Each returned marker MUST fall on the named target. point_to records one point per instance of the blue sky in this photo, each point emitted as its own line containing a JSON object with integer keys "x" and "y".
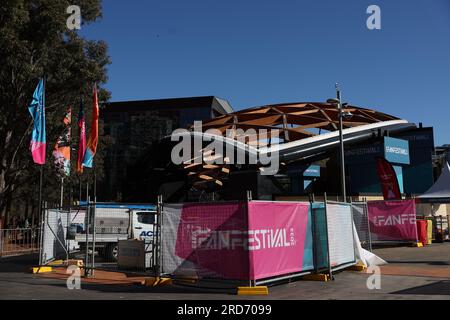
{"x": 260, "y": 52}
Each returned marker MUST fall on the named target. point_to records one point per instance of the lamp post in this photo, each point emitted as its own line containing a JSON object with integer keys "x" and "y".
{"x": 341, "y": 115}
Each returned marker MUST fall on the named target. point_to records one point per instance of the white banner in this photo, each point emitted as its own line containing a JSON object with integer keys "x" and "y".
{"x": 340, "y": 234}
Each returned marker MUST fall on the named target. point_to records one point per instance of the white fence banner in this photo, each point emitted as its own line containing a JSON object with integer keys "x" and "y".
{"x": 54, "y": 243}
{"x": 340, "y": 235}
{"x": 170, "y": 262}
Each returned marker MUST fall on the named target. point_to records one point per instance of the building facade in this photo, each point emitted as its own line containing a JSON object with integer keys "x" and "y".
{"x": 132, "y": 129}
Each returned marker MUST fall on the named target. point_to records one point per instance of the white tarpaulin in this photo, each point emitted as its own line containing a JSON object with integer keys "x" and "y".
{"x": 367, "y": 258}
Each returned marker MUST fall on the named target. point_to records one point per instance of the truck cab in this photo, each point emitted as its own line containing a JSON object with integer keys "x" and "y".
{"x": 114, "y": 222}
{"x": 143, "y": 225}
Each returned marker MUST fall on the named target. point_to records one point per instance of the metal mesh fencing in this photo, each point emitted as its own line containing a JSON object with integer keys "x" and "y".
{"x": 320, "y": 236}
{"x": 362, "y": 224}
{"x": 393, "y": 221}
{"x": 18, "y": 241}
{"x": 54, "y": 242}
{"x": 205, "y": 241}
{"x": 118, "y": 238}
{"x": 340, "y": 235}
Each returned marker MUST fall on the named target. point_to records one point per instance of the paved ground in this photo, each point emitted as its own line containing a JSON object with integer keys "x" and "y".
{"x": 413, "y": 273}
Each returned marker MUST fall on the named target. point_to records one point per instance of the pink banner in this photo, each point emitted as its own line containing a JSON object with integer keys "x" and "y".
{"x": 280, "y": 238}
{"x": 244, "y": 242}
{"x": 393, "y": 220}
{"x": 213, "y": 237}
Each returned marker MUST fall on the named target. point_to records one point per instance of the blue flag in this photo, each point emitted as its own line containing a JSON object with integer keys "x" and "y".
{"x": 37, "y": 111}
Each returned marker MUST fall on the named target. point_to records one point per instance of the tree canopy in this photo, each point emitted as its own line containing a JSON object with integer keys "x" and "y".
{"x": 35, "y": 42}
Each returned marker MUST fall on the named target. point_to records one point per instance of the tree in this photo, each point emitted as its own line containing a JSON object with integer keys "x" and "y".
{"x": 35, "y": 41}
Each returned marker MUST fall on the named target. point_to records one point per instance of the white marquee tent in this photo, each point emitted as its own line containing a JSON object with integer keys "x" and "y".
{"x": 440, "y": 191}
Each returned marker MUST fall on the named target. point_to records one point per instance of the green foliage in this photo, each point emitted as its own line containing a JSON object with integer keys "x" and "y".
{"x": 35, "y": 41}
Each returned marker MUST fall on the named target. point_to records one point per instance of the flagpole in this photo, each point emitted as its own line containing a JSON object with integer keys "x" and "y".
{"x": 61, "y": 201}
{"x": 41, "y": 220}
{"x": 79, "y": 187}
{"x": 95, "y": 184}
{"x": 41, "y": 176}
{"x": 69, "y": 218}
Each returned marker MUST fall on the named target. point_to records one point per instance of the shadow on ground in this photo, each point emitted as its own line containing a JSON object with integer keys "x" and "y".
{"x": 173, "y": 289}
{"x": 432, "y": 263}
{"x": 18, "y": 263}
{"x": 436, "y": 288}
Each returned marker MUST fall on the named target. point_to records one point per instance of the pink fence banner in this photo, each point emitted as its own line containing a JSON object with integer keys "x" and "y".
{"x": 393, "y": 220}
{"x": 212, "y": 240}
{"x": 280, "y": 238}
{"x": 240, "y": 240}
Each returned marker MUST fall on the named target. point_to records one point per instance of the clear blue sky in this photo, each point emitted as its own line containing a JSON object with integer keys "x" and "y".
{"x": 260, "y": 52}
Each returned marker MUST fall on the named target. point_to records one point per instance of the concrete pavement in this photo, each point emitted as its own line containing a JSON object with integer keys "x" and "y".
{"x": 413, "y": 273}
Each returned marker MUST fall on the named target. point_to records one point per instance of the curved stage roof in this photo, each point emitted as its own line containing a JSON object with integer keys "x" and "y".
{"x": 305, "y": 129}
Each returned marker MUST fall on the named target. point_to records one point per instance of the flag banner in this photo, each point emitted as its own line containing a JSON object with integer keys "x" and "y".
{"x": 81, "y": 138}
{"x": 388, "y": 180}
{"x": 393, "y": 220}
{"x": 88, "y": 159}
{"x": 37, "y": 111}
{"x": 61, "y": 152}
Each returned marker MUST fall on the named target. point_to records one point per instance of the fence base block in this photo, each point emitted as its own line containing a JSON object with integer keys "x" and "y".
{"x": 41, "y": 270}
{"x": 56, "y": 263}
{"x": 317, "y": 277}
{"x": 417, "y": 245}
{"x": 78, "y": 263}
{"x": 156, "y": 282}
{"x": 253, "y": 291}
{"x": 357, "y": 267}
{"x": 186, "y": 280}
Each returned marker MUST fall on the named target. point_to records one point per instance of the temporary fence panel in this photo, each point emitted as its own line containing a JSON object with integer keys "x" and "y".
{"x": 259, "y": 241}
{"x": 362, "y": 225}
{"x": 207, "y": 240}
{"x": 320, "y": 235}
{"x": 77, "y": 219}
{"x": 340, "y": 235}
{"x": 18, "y": 241}
{"x": 54, "y": 244}
{"x": 279, "y": 238}
{"x": 393, "y": 220}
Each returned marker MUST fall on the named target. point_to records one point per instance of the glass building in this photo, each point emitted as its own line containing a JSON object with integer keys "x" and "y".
{"x": 133, "y": 128}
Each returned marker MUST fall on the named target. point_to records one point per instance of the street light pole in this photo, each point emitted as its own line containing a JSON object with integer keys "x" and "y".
{"x": 341, "y": 140}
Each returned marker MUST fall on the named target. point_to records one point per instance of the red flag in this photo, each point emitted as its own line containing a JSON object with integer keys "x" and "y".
{"x": 88, "y": 160}
{"x": 388, "y": 180}
{"x": 81, "y": 138}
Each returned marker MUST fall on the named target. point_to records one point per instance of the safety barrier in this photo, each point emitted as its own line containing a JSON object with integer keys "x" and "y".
{"x": 250, "y": 242}
{"x": 55, "y": 243}
{"x": 103, "y": 237}
{"x": 393, "y": 221}
{"x": 362, "y": 224}
{"x": 255, "y": 241}
{"x": 19, "y": 241}
{"x": 340, "y": 235}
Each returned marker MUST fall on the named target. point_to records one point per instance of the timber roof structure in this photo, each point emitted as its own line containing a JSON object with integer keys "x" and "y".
{"x": 296, "y": 121}
{"x": 302, "y": 130}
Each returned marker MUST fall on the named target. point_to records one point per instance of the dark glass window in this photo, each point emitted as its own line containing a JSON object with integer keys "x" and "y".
{"x": 146, "y": 217}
